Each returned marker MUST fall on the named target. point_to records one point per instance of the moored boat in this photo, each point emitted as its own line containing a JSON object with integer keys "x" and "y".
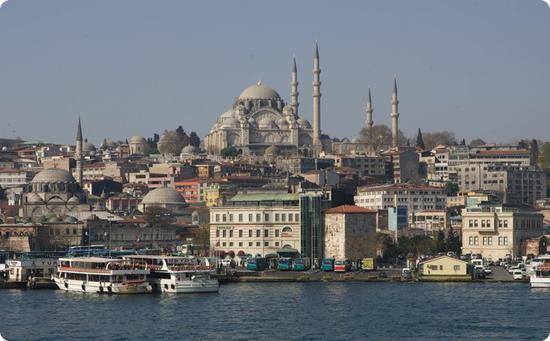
{"x": 173, "y": 274}
{"x": 102, "y": 275}
{"x": 539, "y": 274}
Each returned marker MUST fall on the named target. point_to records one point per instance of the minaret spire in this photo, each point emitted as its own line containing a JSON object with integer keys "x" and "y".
{"x": 78, "y": 154}
{"x": 316, "y": 103}
{"x": 394, "y": 115}
{"x": 294, "y": 87}
{"x": 369, "y": 111}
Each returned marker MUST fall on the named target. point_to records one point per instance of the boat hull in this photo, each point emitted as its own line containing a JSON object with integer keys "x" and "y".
{"x": 102, "y": 287}
{"x": 540, "y": 282}
{"x": 184, "y": 287}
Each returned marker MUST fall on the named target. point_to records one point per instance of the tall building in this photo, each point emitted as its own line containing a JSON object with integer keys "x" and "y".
{"x": 312, "y": 205}
{"x": 79, "y": 155}
{"x": 317, "y": 103}
{"x": 394, "y": 116}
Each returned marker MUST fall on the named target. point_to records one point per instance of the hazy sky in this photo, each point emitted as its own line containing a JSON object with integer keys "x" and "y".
{"x": 127, "y": 67}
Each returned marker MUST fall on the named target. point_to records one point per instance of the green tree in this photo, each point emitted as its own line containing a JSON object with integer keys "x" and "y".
{"x": 194, "y": 140}
{"x": 229, "y": 152}
{"x": 419, "y": 140}
{"x": 440, "y": 245}
{"x": 477, "y": 143}
{"x": 453, "y": 242}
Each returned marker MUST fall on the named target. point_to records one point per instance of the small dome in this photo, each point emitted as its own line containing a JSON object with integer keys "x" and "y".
{"x": 355, "y": 140}
{"x": 70, "y": 219}
{"x": 189, "y": 149}
{"x": 304, "y": 123}
{"x": 50, "y": 175}
{"x": 73, "y": 200}
{"x": 163, "y": 195}
{"x": 230, "y": 123}
{"x": 272, "y": 150}
{"x": 227, "y": 114}
{"x": 56, "y": 200}
{"x": 54, "y": 220}
{"x": 34, "y": 198}
{"x": 88, "y": 147}
{"x": 265, "y": 123}
{"x": 259, "y": 91}
{"x": 137, "y": 139}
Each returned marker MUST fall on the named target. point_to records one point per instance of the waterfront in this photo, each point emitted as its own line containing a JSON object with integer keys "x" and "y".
{"x": 301, "y": 311}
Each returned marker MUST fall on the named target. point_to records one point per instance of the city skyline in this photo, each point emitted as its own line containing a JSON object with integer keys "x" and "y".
{"x": 147, "y": 69}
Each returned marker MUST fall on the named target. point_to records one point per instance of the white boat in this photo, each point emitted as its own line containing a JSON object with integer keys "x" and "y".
{"x": 539, "y": 274}
{"x": 102, "y": 275}
{"x": 174, "y": 274}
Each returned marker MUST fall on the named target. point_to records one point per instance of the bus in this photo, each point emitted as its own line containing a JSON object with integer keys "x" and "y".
{"x": 284, "y": 264}
{"x": 256, "y": 264}
{"x": 342, "y": 266}
{"x": 301, "y": 264}
{"x": 328, "y": 264}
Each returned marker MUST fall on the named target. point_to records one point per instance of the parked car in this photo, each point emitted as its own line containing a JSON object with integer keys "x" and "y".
{"x": 517, "y": 274}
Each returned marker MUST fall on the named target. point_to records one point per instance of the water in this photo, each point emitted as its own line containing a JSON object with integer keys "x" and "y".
{"x": 282, "y": 311}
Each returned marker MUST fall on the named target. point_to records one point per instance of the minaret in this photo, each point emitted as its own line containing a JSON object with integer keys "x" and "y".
{"x": 369, "y": 111}
{"x": 394, "y": 115}
{"x": 294, "y": 88}
{"x": 78, "y": 154}
{"x": 316, "y": 103}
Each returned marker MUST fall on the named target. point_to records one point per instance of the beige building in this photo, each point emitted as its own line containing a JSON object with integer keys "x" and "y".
{"x": 350, "y": 233}
{"x": 497, "y": 232}
{"x": 430, "y": 222}
{"x": 366, "y": 165}
{"x": 414, "y": 197}
{"x": 443, "y": 266}
{"x": 256, "y": 223}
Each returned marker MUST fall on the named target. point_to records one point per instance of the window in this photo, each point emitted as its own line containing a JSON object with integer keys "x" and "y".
{"x": 505, "y": 240}
{"x": 456, "y": 267}
{"x": 482, "y": 223}
{"x": 230, "y": 233}
{"x": 224, "y": 243}
{"x": 250, "y": 217}
{"x": 250, "y": 243}
{"x": 276, "y": 243}
{"x": 471, "y": 223}
{"x": 240, "y": 243}
{"x": 296, "y": 216}
{"x": 257, "y": 233}
{"x": 266, "y": 244}
{"x": 290, "y": 216}
{"x": 475, "y": 223}
{"x": 217, "y": 217}
{"x": 476, "y": 240}
{"x": 258, "y": 244}
{"x": 230, "y": 243}
{"x": 224, "y": 218}
{"x": 240, "y": 233}
{"x": 489, "y": 240}
{"x": 266, "y": 233}
{"x": 287, "y": 229}
{"x": 505, "y": 222}
{"x": 217, "y": 233}
{"x": 258, "y": 217}
{"x": 276, "y": 233}
{"x": 223, "y": 233}
{"x": 266, "y": 217}
{"x": 488, "y": 223}
{"x": 276, "y": 216}
{"x": 283, "y": 217}
{"x": 240, "y": 217}
{"x": 249, "y": 233}
{"x": 67, "y": 231}
{"x": 484, "y": 240}
{"x": 231, "y": 217}
{"x": 471, "y": 240}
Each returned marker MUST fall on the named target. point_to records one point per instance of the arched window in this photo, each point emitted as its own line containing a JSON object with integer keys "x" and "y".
{"x": 287, "y": 246}
{"x": 287, "y": 229}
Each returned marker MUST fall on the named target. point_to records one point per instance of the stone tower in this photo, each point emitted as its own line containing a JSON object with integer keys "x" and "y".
{"x": 316, "y": 103}
{"x": 78, "y": 154}
{"x": 294, "y": 88}
{"x": 394, "y": 116}
{"x": 369, "y": 122}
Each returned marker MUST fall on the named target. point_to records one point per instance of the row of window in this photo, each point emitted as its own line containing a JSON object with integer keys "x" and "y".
{"x": 224, "y": 233}
{"x": 474, "y": 240}
{"x": 250, "y": 244}
{"x": 277, "y": 217}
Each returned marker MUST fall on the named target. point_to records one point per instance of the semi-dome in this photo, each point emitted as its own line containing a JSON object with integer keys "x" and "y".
{"x": 73, "y": 200}
{"x": 163, "y": 196}
{"x": 51, "y": 175}
{"x": 34, "y": 199}
{"x": 88, "y": 147}
{"x": 265, "y": 123}
{"x": 259, "y": 91}
{"x": 137, "y": 139}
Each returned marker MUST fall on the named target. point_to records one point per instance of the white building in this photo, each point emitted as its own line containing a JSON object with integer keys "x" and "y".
{"x": 413, "y": 197}
{"x": 497, "y": 232}
{"x": 256, "y": 223}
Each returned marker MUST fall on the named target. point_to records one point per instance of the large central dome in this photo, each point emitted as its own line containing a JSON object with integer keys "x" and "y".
{"x": 259, "y": 91}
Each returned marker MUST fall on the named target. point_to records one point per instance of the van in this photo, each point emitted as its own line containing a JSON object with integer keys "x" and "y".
{"x": 517, "y": 274}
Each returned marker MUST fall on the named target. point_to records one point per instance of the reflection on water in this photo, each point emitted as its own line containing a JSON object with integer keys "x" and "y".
{"x": 282, "y": 311}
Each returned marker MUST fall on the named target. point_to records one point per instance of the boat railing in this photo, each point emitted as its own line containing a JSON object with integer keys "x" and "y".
{"x": 188, "y": 267}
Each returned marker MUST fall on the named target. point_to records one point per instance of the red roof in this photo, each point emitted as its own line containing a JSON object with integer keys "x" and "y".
{"x": 348, "y": 209}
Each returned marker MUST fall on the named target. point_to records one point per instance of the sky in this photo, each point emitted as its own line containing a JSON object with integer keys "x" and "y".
{"x": 479, "y": 68}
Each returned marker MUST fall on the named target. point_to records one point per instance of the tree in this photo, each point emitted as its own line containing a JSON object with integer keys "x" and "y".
{"x": 440, "y": 245}
{"x": 446, "y": 138}
{"x": 183, "y": 135}
{"x": 546, "y": 155}
{"x": 477, "y": 142}
{"x": 201, "y": 240}
{"x": 419, "y": 141}
{"x": 380, "y": 137}
{"x": 453, "y": 242}
{"x": 229, "y": 152}
{"x": 194, "y": 140}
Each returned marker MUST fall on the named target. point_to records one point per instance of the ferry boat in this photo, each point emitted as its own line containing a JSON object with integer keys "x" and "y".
{"x": 173, "y": 274}
{"x": 102, "y": 275}
{"x": 539, "y": 276}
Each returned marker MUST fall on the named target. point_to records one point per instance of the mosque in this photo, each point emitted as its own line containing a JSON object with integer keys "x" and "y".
{"x": 261, "y": 122}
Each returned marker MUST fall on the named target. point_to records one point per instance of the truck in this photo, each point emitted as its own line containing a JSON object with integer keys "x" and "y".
{"x": 368, "y": 264}
{"x": 327, "y": 264}
{"x": 284, "y": 264}
{"x": 301, "y": 264}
